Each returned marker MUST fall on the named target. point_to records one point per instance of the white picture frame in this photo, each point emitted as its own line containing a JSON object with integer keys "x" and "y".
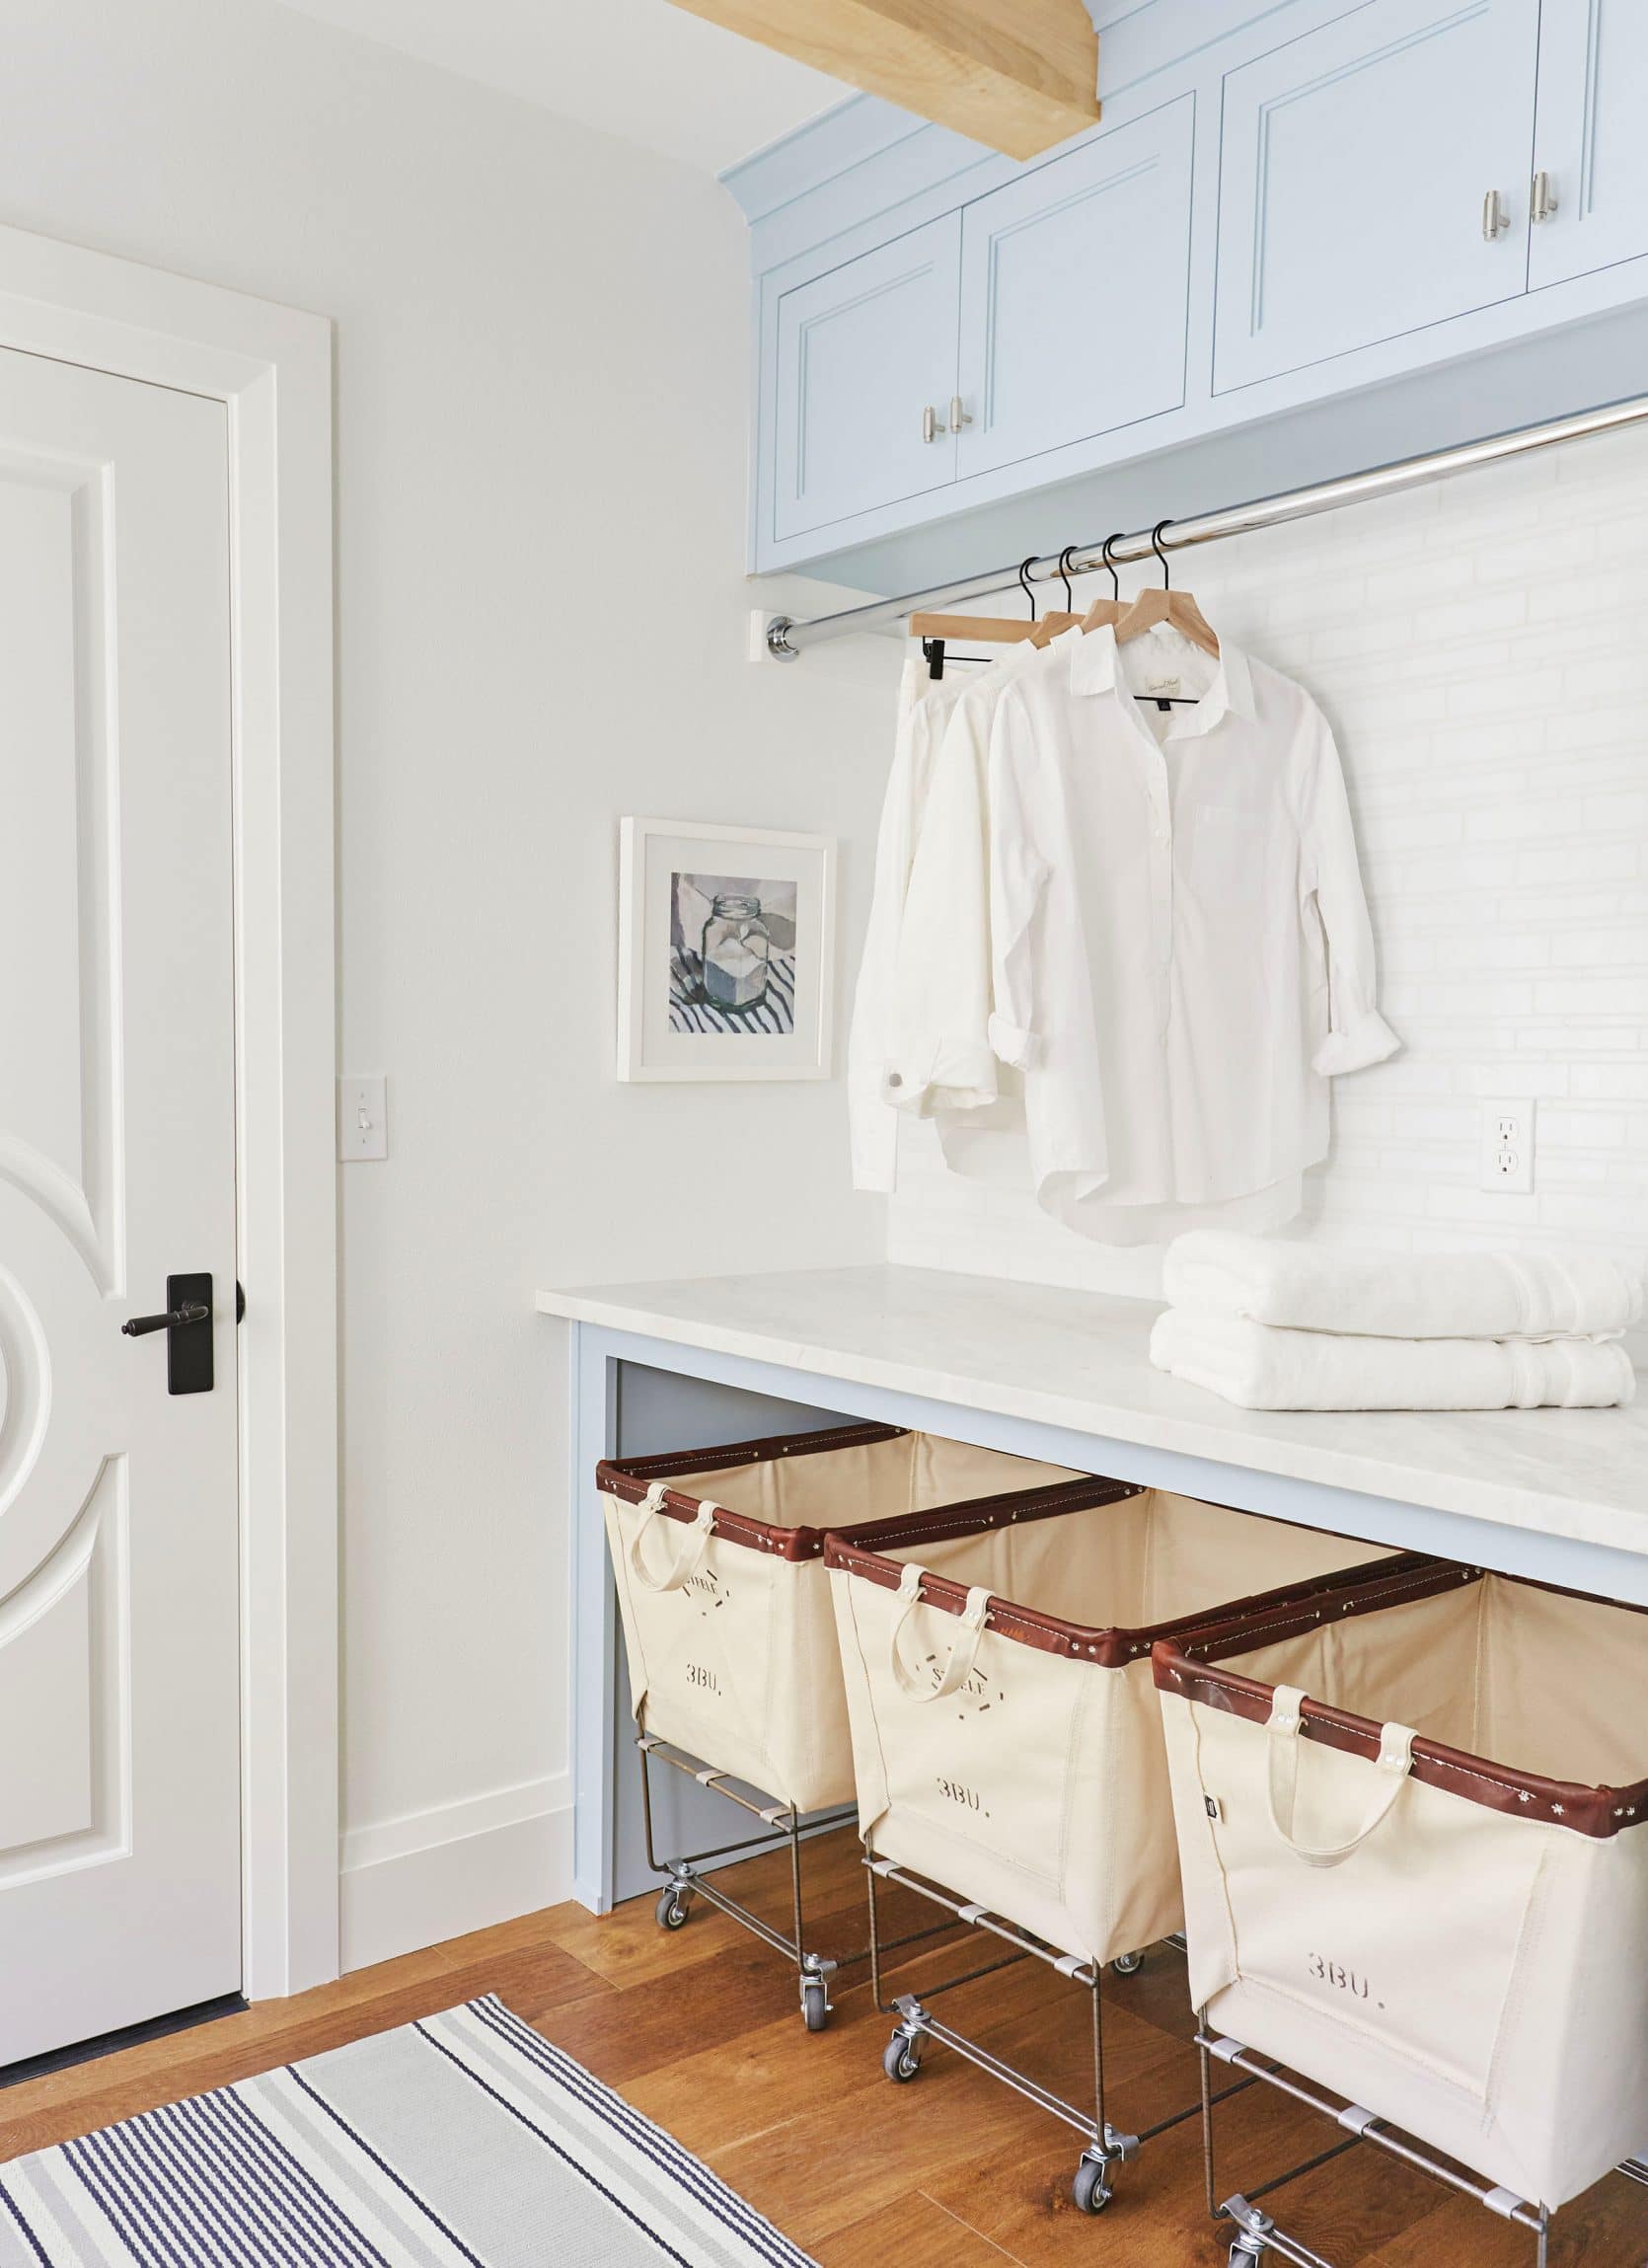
{"x": 762, "y": 905}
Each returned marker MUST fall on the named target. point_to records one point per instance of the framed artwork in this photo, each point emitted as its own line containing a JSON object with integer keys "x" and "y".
{"x": 725, "y": 951}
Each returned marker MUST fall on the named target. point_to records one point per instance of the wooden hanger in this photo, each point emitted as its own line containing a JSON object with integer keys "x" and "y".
{"x": 988, "y": 628}
{"x": 1056, "y": 620}
{"x": 1106, "y": 610}
{"x": 998, "y": 629}
{"x": 1177, "y": 607}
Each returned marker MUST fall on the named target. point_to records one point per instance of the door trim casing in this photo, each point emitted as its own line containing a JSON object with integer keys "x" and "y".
{"x": 271, "y": 368}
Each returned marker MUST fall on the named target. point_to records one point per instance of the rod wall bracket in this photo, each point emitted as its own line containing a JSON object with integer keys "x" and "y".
{"x": 778, "y": 638}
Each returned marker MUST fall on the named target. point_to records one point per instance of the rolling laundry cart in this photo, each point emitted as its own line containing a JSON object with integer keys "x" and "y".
{"x": 1415, "y": 1863}
{"x": 734, "y": 1674}
{"x": 1007, "y": 1738}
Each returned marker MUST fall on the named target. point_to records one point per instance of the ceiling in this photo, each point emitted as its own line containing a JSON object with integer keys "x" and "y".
{"x": 638, "y": 68}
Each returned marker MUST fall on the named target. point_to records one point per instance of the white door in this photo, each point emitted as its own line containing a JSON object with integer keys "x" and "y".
{"x": 119, "y": 1711}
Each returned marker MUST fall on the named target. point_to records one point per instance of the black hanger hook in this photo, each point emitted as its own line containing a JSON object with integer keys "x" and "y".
{"x": 1064, "y": 578}
{"x": 1156, "y": 545}
{"x": 1024, "y": 584}
{"x": 1110, "y": 568}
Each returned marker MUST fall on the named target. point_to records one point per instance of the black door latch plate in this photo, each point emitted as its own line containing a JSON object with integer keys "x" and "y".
{"x": 189, "y": 1346}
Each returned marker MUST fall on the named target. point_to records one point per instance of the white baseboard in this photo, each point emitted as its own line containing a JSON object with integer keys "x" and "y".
{"x": 412, "y": 1882}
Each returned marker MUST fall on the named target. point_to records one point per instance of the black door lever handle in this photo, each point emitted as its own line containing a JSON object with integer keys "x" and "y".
{"x": 189, "y": 1312}
{"x": 188, "y": 1347}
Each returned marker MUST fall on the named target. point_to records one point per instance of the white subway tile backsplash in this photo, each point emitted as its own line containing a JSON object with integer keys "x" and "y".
{"x": 1583, "y": 861}
{"x": 1615, "y": 1083}
{"x": 1478, "y": 648}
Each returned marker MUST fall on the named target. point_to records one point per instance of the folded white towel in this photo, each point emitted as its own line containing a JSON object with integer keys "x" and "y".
{"x": 1414, "y": 1294}
{"x": 1262, "y": 1367}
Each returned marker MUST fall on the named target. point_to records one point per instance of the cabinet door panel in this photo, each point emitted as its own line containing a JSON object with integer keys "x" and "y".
{"x": 1355, "y": 162}
{"x": 1074, "y": 289}
{"x": 1590, "y": 142}
{"x": 861, "y": 352}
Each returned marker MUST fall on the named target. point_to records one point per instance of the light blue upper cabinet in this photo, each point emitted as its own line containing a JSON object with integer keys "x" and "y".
{"x": 1075, "y": 283}
{"x": 866, "y": 375}
{"x": 1591, "y": 207}
{"x": 1374, "y": 179}
{"x": 1286, "y": 204}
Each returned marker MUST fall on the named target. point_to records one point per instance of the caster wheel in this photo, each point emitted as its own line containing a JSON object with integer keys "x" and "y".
{"x": 1089, "y": 2189}
{"x": 1128, "y": 1964}
{"x": 674, "y": 1908}
{"x": 816, "y": 2003}
{"x": 901, "y": 2060}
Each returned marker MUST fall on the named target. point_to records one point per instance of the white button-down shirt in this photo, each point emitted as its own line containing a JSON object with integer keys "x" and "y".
{"x": 1168, "y": 933}
{"x": 923, "y": 709}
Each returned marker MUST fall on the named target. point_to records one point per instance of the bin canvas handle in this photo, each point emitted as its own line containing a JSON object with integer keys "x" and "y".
{"x": 684, "y": 1566}
{"x": 964, "y": 1646}
{"x": 1396, "y": 1758}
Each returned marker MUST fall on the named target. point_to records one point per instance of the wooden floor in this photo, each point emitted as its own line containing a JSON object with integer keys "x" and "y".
{"x": 699, "y": 2029}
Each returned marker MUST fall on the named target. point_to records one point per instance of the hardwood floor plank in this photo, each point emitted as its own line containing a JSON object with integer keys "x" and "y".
{"x": 914, "y": 2232}
{"x": 823, "y": 2167}
{"x": 629, "y": 1948}
{"x": 1606, "y": 2228}
{"x": 84, "y": 2096}
{"x": 699, "y": 2029}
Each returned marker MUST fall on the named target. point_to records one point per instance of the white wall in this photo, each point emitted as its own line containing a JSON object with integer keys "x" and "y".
{"x": 1479, "y": 650}
{"x": 541, "y": 435}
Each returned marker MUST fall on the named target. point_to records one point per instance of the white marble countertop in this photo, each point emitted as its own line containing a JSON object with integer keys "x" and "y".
{"x": 1079, "y": 1359}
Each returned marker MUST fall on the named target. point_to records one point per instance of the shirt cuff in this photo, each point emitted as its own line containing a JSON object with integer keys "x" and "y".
{"x": 1011, "y": 1044}
{"x": 1370, "y": 1039}
{"x": 960, "y": 1075}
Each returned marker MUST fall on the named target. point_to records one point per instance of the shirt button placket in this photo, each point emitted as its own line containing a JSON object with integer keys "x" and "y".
{"x": 1161, "y": 888}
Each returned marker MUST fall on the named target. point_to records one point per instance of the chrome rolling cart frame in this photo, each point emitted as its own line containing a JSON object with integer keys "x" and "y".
{"x": 1106, "y": 2147}
{"x": 1257, "y": 2233}
{"x": 684, "y": 1882}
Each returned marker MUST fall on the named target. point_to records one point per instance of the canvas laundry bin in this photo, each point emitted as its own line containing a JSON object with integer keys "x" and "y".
{"x": 1007, "y": 1738}
{"x": 1425, "y": 1886}
{"x": 719, "y": 1556}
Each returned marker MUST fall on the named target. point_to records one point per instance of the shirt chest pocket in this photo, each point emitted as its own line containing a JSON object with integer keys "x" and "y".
{"x": 1225, "y": 857}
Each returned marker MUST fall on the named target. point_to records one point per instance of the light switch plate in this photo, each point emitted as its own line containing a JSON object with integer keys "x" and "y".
{"x": 1508, "y": 1146}
{"x": 362, "y": 1116}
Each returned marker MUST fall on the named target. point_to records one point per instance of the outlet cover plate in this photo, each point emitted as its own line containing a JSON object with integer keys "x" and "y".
{"x": 1507, "y": 1162}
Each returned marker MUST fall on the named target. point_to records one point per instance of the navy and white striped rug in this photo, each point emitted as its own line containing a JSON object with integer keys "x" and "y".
{"x": 464, "y": 2141}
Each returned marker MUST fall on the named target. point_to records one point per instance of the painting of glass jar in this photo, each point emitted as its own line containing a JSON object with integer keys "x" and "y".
{"x": 732, "y": 953}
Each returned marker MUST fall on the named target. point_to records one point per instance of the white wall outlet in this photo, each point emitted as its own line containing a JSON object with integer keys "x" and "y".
{"x": 1508, "y": 1146}
{"x": 362, "y": 1116}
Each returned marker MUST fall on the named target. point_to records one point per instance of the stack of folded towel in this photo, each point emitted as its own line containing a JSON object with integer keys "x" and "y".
{"x": 1277, "y": 1326}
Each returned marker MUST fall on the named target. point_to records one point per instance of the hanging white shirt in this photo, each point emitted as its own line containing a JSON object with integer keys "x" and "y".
{"x": 924, "y": 708}
{"x": 976, "y": 1104}
{"x": 937, "y": 1056}
{"x": 1173, "y": 923}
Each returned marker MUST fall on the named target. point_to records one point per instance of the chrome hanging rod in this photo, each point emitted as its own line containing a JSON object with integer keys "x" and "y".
{"x": 787, "y": 639}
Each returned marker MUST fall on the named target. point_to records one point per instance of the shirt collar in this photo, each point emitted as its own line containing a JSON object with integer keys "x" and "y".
{"x": 1023, "y": 654}
{"x": 1095, "y": 669}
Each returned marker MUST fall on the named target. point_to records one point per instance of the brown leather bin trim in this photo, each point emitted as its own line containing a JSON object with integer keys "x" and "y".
{"x": 855, "y": 1554}
{"x": 630, "y": 1476}
{"x": 1189, "y": 1665}
{"x": 613, "y": 1472}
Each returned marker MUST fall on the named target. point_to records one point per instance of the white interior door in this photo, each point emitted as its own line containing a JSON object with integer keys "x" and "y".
{"x": 120, "y": 1715}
